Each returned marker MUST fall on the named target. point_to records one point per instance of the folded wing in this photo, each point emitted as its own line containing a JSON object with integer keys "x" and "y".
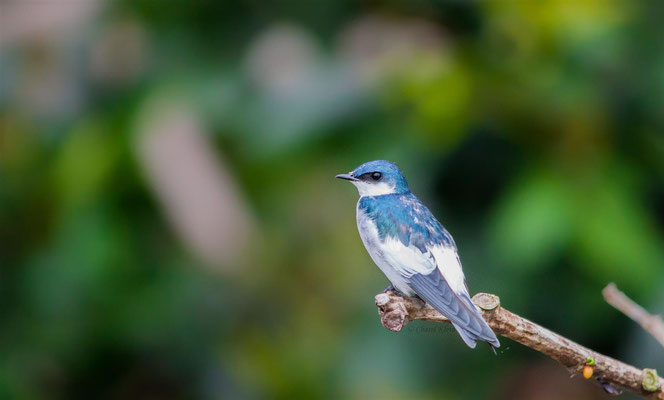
{"x": 435, "y": 290}
{"x": 427, "y": 277}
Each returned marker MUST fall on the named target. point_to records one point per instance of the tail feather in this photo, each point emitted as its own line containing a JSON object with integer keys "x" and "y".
{"x": 471, "y": 339}
{"x": 466, "y": 318}
{"x": 467, "y": 337}
{"x": 487, "y": 333}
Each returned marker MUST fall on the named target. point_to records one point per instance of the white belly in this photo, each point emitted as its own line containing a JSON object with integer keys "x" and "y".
{"x": 371, "y": 240}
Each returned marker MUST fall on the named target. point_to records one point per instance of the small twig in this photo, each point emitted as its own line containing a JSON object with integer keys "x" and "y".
{"x": 396, "y": 311}
{"x": 651, "y": 323}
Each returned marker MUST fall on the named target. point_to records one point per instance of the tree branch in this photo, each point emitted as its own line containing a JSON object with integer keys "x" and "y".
{"x": 651, "y": 323}
{"x": 396, "y": 311}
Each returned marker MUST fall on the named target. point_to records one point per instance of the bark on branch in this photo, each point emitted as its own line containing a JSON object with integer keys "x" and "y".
{"x": 396, "y": 311}
{"x": 651, "y": 323}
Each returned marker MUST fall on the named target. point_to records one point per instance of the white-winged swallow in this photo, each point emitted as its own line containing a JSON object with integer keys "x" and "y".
{"x": 413, "y": 249}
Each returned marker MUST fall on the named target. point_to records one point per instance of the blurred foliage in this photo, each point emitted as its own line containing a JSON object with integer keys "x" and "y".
{"x": 532, "y": 129}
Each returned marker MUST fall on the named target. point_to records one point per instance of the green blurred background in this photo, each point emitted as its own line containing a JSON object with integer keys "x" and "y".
{"x": 170, "y": 225}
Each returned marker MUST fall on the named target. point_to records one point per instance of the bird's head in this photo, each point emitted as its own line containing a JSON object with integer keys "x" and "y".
{"x": 375, "y": 178}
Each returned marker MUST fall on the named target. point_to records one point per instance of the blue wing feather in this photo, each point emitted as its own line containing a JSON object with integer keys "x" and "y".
{"x": 405, "y": 217}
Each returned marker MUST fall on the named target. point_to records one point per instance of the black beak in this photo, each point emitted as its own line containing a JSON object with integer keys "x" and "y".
{"x": 347, "y": 177}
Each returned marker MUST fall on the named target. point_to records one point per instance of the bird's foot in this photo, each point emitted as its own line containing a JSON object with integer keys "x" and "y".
{"x": 390, "y": 288}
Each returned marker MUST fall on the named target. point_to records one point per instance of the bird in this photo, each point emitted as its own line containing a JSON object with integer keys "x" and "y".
{"x": 414, "y": 251}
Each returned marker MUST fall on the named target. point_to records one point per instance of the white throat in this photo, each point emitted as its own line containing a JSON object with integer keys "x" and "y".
{"x": 373, "y": 189}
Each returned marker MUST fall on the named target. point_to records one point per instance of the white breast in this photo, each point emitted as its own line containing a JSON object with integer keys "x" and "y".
{"x": 379, "y": 254}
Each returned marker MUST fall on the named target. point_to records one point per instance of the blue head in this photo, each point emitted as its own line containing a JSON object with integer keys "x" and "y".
{"x": 375, "y": 178}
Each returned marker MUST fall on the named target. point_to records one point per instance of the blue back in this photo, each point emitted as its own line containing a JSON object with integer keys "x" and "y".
{"x": 403, "y": 216}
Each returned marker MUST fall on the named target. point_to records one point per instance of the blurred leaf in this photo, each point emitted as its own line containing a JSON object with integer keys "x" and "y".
{"x": 84, "y": 162}
{"x": 615, "y": 236}
{"x": 533, "y": 222}
{"x": 438, "y": 91}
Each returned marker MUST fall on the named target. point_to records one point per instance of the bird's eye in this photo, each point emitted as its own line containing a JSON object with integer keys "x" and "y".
{"x": 376, "y": 176}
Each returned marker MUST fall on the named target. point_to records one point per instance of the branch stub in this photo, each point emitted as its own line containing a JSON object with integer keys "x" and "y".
{"x": 486, "y": 301}
{"x": 650, "y": 380}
